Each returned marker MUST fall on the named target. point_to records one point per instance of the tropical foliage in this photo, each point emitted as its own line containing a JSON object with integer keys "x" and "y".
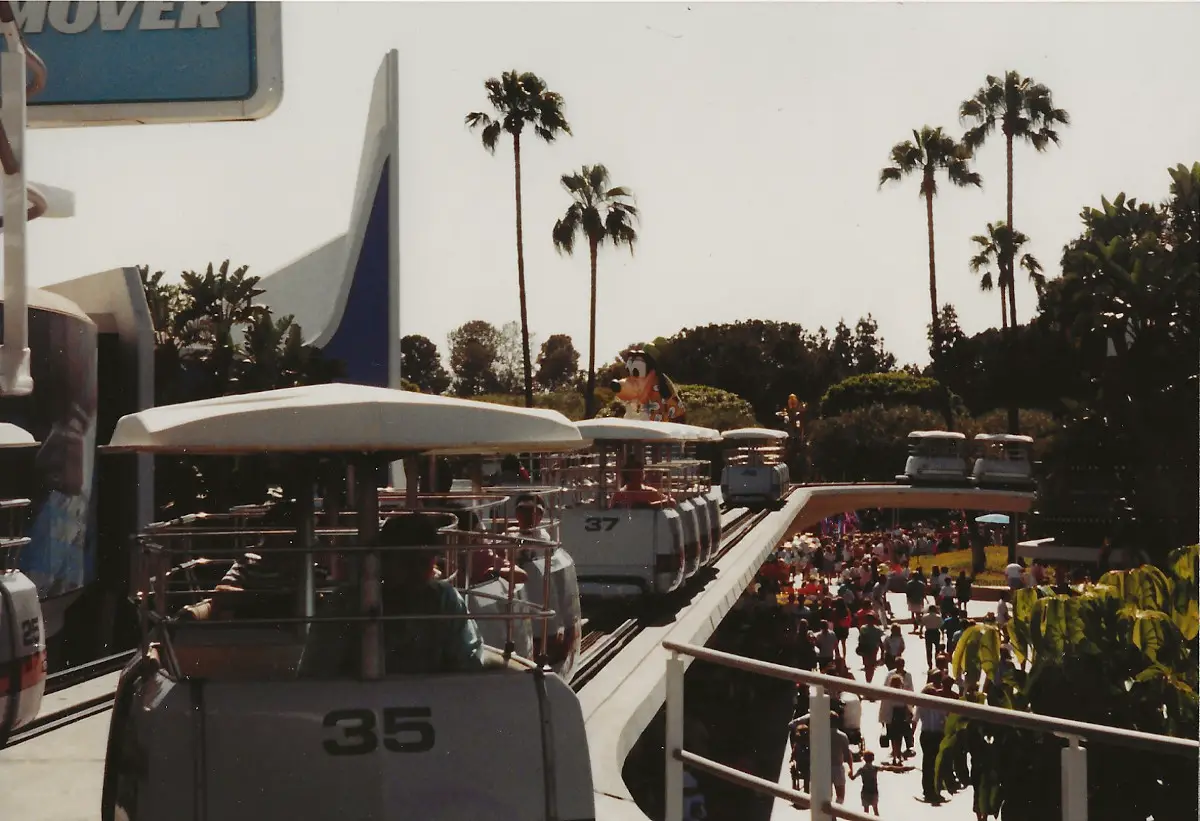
{"x": 1120, "y": 652}
{"x": 999, "y": 247}
{"x": 1020, "y": 109}
{"x": 520, "y": 100}
{"x": 213, "y": 339}
{"x": 930, "y": 152}
{"x": 601, "y": 213}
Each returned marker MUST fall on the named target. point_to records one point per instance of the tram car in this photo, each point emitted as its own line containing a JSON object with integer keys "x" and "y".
{"x": 1003, "y": 461}
{"x": 361, "y": 691}
{"x": 22, "y": 629}
{"x": 935, "y": 457}
{"x": 646, "y": 522}
{"x": 755, "y": 474}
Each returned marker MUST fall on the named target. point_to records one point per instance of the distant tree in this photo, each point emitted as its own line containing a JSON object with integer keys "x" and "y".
{"x": 1020, "y": 109}
{"x": 886, "y": 389}
{"x": 929, "y": 152}
{"x": 509, "y": 358}
{"x": 421, "y": 364}
{"x": 601, "y": 213}
{"x": 520, "y": 99}
{"x": 999, "y": 247}
{"x": 866, "y": 443}
{"x": 868, "y": 351}
{"x": 474, "y": 353}
{"x": 558, "y": 363}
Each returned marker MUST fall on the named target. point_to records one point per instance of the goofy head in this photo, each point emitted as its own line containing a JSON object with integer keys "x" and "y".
{"x": 646, "y": 391}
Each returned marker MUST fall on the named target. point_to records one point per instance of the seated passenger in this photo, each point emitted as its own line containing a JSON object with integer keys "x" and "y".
{"x": 635, "y": 493}
{"x": 484, "y": 563}
{"x": 272, "y": 576}
{"x": 409, "y": 588}
{"x": 530, "y": 510}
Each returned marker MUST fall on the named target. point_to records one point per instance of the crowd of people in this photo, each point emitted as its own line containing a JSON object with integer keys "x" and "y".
{"x": 809, "y": 596}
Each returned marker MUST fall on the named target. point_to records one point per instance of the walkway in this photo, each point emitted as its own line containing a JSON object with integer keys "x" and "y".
{"x": 899, "y": 793}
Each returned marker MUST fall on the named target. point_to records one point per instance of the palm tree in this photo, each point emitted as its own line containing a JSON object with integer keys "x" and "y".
{"x": 600, "y": 213}
{"x": 997, "y": 247}
{"x": 520, "y": 99}
{"x": 929, "y": 151}
{"x": 1023, "y": 109}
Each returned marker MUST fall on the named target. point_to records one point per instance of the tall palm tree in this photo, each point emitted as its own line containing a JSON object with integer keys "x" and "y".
{"x": 601, "y": 214}
{"x": 929, "y": 151}
{"x": 998, "y": 247}
{"x": 520, "y": 100}
{"x": 1022, "y": 110}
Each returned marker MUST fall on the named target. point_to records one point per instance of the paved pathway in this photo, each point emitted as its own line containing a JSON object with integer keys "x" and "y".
{"x": 899, "y": 793}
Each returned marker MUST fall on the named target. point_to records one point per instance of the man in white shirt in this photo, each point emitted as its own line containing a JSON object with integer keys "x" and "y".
{"x": 1013, "y": 574}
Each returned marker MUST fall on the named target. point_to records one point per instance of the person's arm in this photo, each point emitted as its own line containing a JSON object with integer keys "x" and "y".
{"x": 465, "y": 652}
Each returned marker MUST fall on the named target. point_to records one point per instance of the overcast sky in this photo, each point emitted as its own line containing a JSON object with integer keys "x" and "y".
{"x": 752, "y": 135}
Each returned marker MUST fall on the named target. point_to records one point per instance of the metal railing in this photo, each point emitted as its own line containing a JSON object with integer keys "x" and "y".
{"x": 818, "y": 800}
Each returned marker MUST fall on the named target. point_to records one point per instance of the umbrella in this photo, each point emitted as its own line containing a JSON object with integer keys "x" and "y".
{"x": 992, "y": 519}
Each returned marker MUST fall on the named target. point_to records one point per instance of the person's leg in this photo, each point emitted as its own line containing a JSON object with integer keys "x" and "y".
{"x": 839, "y": 783}
{"x": 929, "y": 750}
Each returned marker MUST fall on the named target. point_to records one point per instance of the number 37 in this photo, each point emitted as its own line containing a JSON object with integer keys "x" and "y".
{"x": 358, "y": 734}
{"x": 593, "y": 523}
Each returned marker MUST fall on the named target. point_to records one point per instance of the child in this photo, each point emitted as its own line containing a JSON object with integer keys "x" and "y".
{"x": 870, "y": 782}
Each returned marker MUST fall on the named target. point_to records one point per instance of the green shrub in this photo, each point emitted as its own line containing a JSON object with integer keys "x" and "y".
{"x": 887, "y": 389}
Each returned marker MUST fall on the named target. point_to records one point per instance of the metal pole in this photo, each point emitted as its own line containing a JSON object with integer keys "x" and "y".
{"x": 1074, "y": 781}
{"x": 674, "y": 779}
{"x": 820, "y": 748}
{"x": 372, "y": 598}
{"x": 15, "y": 378}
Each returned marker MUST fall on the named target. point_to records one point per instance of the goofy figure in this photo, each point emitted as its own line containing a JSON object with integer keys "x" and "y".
{"x": 646, "y": 391}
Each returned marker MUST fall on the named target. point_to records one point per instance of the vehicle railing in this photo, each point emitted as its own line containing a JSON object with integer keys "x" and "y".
{"x": 155, "y": 561}
{"x": 818, "y": 800}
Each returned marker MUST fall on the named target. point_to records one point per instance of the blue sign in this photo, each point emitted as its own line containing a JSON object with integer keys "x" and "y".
{"x": 125, "y": 62}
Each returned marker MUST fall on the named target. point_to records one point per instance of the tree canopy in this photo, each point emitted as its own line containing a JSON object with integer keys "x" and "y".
{"x": 421, "y": 364}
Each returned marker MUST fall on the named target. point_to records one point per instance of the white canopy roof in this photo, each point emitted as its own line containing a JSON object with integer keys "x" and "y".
{"x": 60, "y": 203}
{"x": 755, "y": 435}
{"x": 343, "y": 418}
{"x": 637, "y": 430}
{"x": 15, "y": 436}
{"x": 936, "y": 434}
{"x": 1004, "y": 438}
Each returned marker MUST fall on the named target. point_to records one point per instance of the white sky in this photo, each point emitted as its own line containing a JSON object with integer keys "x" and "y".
{"x": 752, "y": 135}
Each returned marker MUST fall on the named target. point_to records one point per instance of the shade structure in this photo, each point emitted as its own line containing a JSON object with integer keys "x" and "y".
{"x": 638, "y": 430}
{"x": 343, "y": 418}
{"x": 15, "y": 436}
{"x": 993, "y": 519}
{"x": 59, "y": 202}
{"x": 752, "y": 435}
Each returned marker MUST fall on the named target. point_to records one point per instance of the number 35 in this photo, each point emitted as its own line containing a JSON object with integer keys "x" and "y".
{"x": 358, "y": 735}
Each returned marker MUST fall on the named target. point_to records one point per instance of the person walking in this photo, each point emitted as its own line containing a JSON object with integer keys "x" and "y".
{"x": 932, "y": 623}
{"x": 870, "y": 640}
{"x": 915, "y": 591}
{"x": 895, "y": 717}
{"x": 933, "y": 723}
{"x": 962, "y": 589}
{"x": 870, "y": 782}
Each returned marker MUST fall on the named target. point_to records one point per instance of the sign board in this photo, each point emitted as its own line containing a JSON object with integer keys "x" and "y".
{"x": 111, "y": 63}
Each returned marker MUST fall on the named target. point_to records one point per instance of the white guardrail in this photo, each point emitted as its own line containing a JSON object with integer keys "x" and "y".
{"x": 819, "y": 800}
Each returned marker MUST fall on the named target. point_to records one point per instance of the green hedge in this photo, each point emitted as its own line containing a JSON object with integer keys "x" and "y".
{"x": 887, "y": 389}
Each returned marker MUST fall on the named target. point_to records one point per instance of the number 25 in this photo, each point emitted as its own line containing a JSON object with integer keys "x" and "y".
{"x": 359, "y": 737}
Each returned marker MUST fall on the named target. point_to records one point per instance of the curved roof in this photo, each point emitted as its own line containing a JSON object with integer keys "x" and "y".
{"x": 15, "y": 436}
{"x": 703, "y": 434}
{"x": 343, "y": 418}
{"x": 755, "y": 435}
{"x": 936, "y": 434}
{"x": 638, "y": 430}
{"x": 1004, "y": 438}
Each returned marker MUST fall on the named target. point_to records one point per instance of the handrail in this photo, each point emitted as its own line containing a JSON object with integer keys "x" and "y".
{"x": 1062, "y": 727}
{"x": 1074, "y": 756}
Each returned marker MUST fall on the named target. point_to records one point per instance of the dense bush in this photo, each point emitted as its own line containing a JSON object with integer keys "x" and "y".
{"x": 866, "y": 444}
{"x": 887, "y": 389}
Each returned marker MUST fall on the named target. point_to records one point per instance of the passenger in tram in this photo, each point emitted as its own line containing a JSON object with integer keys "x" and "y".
{"x": 262, "y": 580}
{"x": 634, "y": 492}
{"x": 530, "y": 512}
{"x": 410, "y": 588}
{"x": 484, "y": 564}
